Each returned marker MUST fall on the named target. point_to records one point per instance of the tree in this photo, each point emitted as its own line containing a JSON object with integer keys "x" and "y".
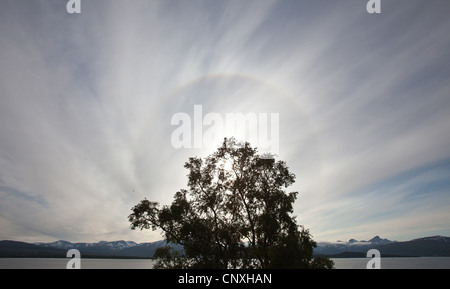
{"x": 234, "y": 214}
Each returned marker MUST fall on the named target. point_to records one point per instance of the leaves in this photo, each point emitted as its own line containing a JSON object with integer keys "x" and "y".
{"x": 234, "y": 214}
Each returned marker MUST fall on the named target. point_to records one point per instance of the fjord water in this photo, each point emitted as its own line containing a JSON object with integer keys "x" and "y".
{"x": 395, "y": 263}
{"x": 340, "y": 263}
{"x": 61, "y": 263}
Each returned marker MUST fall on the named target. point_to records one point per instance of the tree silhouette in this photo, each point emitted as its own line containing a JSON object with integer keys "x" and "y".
{"x": 235, "y": 214}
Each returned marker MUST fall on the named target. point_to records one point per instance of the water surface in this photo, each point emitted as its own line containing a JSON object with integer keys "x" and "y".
{"x": 340, "y": 263}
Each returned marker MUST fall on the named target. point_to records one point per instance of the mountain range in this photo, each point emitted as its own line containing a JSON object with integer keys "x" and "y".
{"x": 428, "y": 246}
{"x": 422, "y": 247}
{"x": 102, "y": 249}
{"x": 352, "y": 245}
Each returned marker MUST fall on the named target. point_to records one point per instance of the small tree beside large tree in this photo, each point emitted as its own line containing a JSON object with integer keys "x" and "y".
{"x": 236, "y": 213}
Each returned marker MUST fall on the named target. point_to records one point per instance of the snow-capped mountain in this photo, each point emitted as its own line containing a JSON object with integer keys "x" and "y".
{"x": 332, "y": 248}
{"x": 113, "y": 248}
{"x": 434, "y": 238}
{"x": 115, "y": 245}
{"x": 427, "y": 246}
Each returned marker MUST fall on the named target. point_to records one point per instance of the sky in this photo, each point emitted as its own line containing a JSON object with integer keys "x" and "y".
{"x": 87, "y": 101}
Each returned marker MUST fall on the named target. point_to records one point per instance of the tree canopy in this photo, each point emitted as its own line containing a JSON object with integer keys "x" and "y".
{"x": 236, "y": 213}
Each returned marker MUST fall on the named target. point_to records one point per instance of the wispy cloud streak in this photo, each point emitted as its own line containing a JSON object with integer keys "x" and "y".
{"x": 86, "y": 102}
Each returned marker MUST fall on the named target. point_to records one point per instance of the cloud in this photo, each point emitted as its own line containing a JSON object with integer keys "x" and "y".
{"x": 86, "y": 103}
{"x": 415, "y": 201}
